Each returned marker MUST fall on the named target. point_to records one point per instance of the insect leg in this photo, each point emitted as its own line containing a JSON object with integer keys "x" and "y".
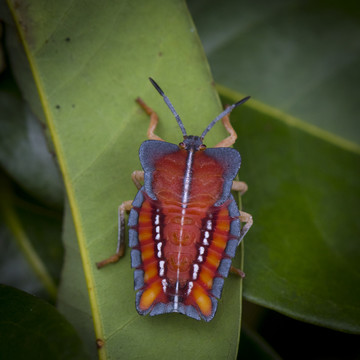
{"x": 153, "y": 120}
{"x": 137, "y": 176}
{"x": 239, "y": 186}
{"x": 247, "y": 219}
{"x": 237, "y": 271}
{"x": 120, "y": 249}
{"x": 230, "y": 140}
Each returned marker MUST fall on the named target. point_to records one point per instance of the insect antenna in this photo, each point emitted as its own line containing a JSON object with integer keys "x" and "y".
{"x": 224, "y": 113}
{"x": 170, "y": 106}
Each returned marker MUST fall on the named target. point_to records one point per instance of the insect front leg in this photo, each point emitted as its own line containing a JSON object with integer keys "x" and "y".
{"x": 136, "y": 177}
{"x": 120, "y": 249}
{"x": 230, "y": 140}
{"x": 239, "y": 186}
{"x": 154, "y": 119}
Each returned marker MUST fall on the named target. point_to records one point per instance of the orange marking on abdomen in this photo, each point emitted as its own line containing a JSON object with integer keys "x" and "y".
{"x": 202, "y": 299}
{"x": 147, "y": 252}
{"x": 206, "y": 276}
{"x": 145, "y": 234}
{"x": 144, "y": 218}
{"x": 150, "y": 271}
{"x": 223, "y": 225}
{"x": 213, "y": 258}
{"x": 219, "y": 242}
{"x": 181, "y": 230}
{"x": 148, "y": 257}
{"x": 150, "y": 295}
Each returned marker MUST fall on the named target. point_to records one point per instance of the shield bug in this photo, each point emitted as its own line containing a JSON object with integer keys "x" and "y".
{"x": 184, "y": 224}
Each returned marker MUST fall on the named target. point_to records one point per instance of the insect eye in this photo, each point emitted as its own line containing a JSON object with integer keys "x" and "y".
{"x": 182, "y": 145}
{"x": 202, "y": 147}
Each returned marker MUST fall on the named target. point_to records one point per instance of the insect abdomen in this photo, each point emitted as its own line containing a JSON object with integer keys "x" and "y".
{"x": 181, "y": 254}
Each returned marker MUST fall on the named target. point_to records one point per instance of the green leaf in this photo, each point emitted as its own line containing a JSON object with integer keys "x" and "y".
{"x": 2, "y": 57}
{"x": 15, "y": 270}
{"x": 23, "y": 149}
{"x": 301, "y": 57}
{"x": 73, "y": 297}
{"x": 32, "y": 252}
{"x": 253, "y": 346}
{"x": 89, "y": 63}
{"x": 302, "y": 253}
{"x": 32, "y": 329}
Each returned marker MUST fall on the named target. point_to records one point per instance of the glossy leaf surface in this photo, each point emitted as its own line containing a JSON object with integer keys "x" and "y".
{"x": 31, "y": 249}
{"x": 23, "y": 148}
{"x": 301, "y": 57}
{"x": 303, "y": 252}
{"x": 32, "y": 329}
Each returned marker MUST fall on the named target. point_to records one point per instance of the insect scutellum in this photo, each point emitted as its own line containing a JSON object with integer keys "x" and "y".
{"x": 177, "y": 117}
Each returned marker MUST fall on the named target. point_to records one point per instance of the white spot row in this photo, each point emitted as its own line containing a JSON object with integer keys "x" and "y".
{"x": 162, "y": 268}
{"x": 159, "y": 253}
{"x": 159, "y": 245}
{"x": 157, "y": 227}
{"x": 190, "y": 286}
{"x": 157, "y": 219}
{"x": 195, "y": 272}
{"x": 206, "y": 236}
{"x": 164, "y": 285}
